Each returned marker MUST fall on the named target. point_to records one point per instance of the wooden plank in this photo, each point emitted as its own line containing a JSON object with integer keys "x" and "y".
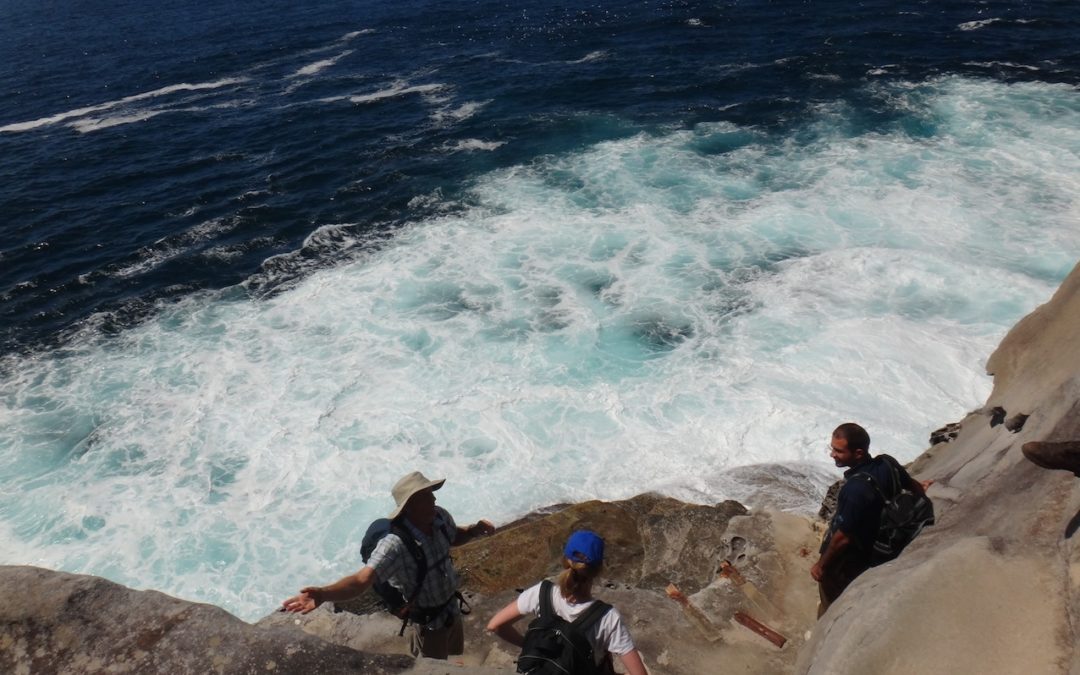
{"x": 759, "y": 601}
{"x": 695, "y": 615}
{"x": 760, "y": 628}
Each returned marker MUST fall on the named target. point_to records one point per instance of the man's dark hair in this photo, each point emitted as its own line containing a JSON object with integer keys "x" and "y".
{"x": 856, "y": 436}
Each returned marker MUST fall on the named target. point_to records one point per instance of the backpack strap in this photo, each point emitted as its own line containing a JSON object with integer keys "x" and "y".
{"x": 585, "y": 620}
{"x": 546, "y": 607}
{"x": 594, "y": 613}
{"x": 415, "y": 551}
{"x": 446, "y": 535}
{"x": 893, "y": 473}
{"x": 466, "y": 608}
{"x": 417, "y": 554}
{"x": 867, "y": 478}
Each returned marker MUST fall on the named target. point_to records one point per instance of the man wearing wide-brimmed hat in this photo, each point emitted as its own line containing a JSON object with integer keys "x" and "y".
{"x": 440, "y": 633}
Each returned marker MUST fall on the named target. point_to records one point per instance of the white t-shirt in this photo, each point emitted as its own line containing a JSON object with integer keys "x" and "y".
{"x": 609, "y": 634}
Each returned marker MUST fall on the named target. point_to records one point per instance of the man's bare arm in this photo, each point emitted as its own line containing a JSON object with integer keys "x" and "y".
{"x": 919, "y": 487}
{"x": 345, "y": 588}
{"x": 837, "y": 544}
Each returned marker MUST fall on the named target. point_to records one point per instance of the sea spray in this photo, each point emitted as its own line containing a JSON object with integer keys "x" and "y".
{"x": 643, "y": 314}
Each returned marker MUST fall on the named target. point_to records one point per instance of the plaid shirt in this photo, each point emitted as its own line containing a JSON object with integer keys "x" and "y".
{"x": 394, "y": 564}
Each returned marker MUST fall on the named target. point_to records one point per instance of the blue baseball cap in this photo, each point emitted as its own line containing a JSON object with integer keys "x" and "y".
{"x": 585, "y": 546}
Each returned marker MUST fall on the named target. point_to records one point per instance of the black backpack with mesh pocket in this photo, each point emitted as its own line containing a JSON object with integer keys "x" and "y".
{"x": 555, "y": 646}
{"x": 903, "y": 515}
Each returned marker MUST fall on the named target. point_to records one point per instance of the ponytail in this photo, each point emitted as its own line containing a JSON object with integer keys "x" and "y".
{"x": 577, "y": 579}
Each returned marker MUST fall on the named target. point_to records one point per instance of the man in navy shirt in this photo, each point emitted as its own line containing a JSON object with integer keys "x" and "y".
{"x": 845, "y": 551}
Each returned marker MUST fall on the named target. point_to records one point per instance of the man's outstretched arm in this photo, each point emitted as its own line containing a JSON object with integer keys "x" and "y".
{"x": 345, "y": 588}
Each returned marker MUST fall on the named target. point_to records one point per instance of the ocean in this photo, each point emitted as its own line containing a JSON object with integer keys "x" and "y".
{"x": 258, "y": 262}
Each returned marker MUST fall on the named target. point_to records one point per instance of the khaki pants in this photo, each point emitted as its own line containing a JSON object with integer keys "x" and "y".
{"x": 439, "y": 643}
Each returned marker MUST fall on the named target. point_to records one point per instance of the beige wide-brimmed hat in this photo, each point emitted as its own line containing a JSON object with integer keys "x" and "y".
{"x": 410, "y": 485}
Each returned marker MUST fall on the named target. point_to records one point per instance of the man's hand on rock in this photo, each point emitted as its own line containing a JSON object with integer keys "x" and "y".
{"x": 482, "y": 528}
{"x": 306, "y": 601}
{"x": 817, "y": 571}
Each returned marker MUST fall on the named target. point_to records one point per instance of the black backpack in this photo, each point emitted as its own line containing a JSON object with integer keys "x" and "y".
{"x": 902, "y": 517}
{"x": 389, "y": 597}
{"x": 555, "y": 646}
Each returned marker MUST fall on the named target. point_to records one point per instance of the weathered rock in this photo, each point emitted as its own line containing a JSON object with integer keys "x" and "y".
{"x": 791, "y": 486}
{"x": 651, "y": 542}
{"x": 828, "y": 504}
{"x": 1016, "y": 422}
{"x": 946, "y": 433}
{"x": 54, "y": 622}
{"x": 993, "y": 587}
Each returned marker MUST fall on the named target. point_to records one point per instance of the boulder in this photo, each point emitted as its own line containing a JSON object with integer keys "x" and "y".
{"x": 54, "y": 622}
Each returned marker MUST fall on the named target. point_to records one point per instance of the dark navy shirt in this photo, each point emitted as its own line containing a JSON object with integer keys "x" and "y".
{"x": 858, "y": 507}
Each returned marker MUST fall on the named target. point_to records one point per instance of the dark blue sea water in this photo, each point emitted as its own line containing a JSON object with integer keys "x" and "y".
{"x": 257, "y": 261}
{"x": 152, "y": 150}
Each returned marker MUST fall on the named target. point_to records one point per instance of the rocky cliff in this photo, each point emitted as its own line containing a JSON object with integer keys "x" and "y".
{"x": 993, "y": 587}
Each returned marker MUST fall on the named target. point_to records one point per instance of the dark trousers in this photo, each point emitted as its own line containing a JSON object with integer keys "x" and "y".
{"x": 843, "y": 570}
{"x": 440, "y": 643}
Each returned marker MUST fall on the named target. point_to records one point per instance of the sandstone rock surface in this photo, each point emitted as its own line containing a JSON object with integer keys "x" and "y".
{"x": 53, "y": 622}
{"x": 994, "y": 587}
{"x": 651, "y": 541}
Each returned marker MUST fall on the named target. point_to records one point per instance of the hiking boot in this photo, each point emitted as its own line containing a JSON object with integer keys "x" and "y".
{"x": 1064, "y": 455}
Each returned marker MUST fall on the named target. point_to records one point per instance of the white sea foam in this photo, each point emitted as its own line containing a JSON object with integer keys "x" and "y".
{"x": 649, "y": 313}
{"x": 597, "y": 55}
{"x": 397, "y": 89}
{"x": 168, "y": 248}
{"x": 97, "y": 123}
{"x": 355, "y": 34}
{"x": 458, "y": 114}
{"x": 1001, "y": 64}
{"x": 319, "y": 66}
{"x": 88, "y": 124}
{"x": 89, "y": 110}
{"x": 976, "y": 25}
{"x": 878, "y": 71}
{"x": 473, "y": 144}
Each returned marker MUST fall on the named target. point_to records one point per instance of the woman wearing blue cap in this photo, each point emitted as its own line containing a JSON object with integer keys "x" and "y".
{"x": 569, "y": 600}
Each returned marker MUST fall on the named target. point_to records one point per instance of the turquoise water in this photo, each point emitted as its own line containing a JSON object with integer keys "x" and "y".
{"x": 645, "y": 312}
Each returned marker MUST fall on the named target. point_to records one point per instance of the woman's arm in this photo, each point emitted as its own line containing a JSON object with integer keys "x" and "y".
{"x": 631, "y": 661}
{"x": 502, "y": 624}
